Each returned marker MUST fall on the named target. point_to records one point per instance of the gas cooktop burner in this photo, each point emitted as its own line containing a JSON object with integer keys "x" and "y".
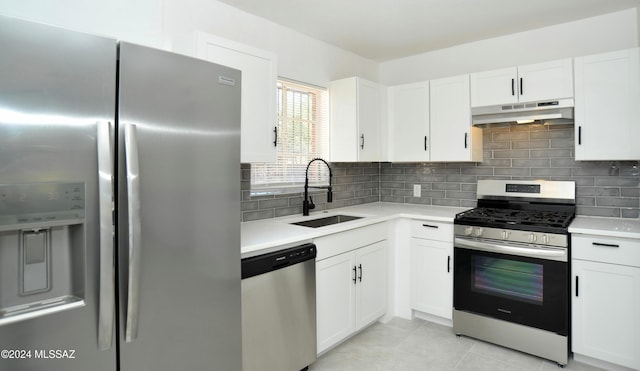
{"x": 536, "y": 205}
{"x": 509, "y": 217}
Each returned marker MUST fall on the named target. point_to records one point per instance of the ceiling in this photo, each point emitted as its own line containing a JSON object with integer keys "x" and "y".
{"x": 389, "y": 29}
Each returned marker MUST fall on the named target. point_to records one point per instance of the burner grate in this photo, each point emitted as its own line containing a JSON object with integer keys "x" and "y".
{"x": 510, "y": 217}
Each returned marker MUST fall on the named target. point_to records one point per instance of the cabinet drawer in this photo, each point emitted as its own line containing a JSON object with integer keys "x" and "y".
{"x": 432, "y": 230}
{"x": 613, "y": 250}
{"x": 342, "y": 242}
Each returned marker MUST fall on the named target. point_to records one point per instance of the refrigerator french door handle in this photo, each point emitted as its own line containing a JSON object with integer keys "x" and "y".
{"x": 106, "y": 305}
{"x": 133, "y": 208}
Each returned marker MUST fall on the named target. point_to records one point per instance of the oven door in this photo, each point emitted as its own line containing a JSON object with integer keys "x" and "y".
{"x": 518, "y": 283}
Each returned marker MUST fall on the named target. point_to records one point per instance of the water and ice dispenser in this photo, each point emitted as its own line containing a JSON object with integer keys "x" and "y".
{"x": 42, "y": 249}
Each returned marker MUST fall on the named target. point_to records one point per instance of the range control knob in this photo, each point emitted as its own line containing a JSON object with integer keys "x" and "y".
{"x": 533, "y": 237}
{"x": 545, "y": 239}
{"x": 478, "y": 232}
{"x": 468, "y": 231}
{"x": 505, "y": 235}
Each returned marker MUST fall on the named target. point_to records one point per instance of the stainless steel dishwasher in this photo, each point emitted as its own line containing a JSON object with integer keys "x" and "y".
{"x": 279, "y": 310}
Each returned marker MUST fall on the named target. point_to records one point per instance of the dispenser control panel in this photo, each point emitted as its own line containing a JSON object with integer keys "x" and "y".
{"x": 41, "y": 202}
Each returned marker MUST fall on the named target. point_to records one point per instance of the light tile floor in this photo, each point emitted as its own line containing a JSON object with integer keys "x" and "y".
{"x": 420, "y": 345}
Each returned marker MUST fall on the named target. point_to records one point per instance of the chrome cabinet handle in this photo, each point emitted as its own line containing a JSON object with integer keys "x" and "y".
{"x": 360, "y": 277}
{"x": 106, "y": 305}
{"x": 135, "y": 244}
{"x": 513, "y": 87}
{"x": 361, "y": 141}
{"x": 465, "y": 139}
{"x": 430, "y": 226}
{"x": 449, "y": 264}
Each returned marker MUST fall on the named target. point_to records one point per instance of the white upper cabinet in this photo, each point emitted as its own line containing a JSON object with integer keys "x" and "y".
{"x": 534, "y": 82}
{"x": 452, "y": 136}
{"x": 355, "y": 116}
{"x": 409, "y": 122}
{"x": 259, "y": 101}
{"x": 607, "y": 106}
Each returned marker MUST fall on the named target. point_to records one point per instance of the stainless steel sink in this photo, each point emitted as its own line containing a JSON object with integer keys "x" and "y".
{"x": 329, "y": 220}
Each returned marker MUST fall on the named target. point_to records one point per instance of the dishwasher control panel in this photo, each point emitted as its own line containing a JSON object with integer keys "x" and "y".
{"x": 269, "y": 262}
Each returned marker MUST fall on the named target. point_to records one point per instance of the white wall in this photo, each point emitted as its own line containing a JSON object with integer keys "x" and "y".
{"x": 299, "y": 57}
{"x": 171, "y": 25}
{"x": 137, "y": 21}
{"x": 588, "y": 36}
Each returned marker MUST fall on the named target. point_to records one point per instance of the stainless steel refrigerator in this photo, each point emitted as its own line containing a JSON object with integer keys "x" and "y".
{"x": 119, "y": 205}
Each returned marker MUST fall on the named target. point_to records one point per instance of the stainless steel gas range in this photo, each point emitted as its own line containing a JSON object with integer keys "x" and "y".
{"x": 511, "y": 258}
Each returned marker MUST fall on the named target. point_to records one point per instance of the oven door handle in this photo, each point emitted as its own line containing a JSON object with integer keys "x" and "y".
{"x": 548, "y": 253}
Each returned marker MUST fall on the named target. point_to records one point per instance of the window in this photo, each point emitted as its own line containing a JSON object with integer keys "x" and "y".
{"x": 303, "y": 134}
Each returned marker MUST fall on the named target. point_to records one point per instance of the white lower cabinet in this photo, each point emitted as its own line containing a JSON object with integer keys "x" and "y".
{"x": 371, "y": 298}
{"x": 350, "y": 291}
{"x": 335, "y": 299}
{"x": 606, "y": 300}
{"x": 432, "y": 278}
{"x": 432, "y": 268}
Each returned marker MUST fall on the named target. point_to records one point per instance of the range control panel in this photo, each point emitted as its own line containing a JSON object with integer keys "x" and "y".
{"x": 522, "y": 188}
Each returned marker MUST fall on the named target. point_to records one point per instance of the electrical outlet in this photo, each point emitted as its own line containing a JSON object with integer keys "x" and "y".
{"x": 417, "y": 190}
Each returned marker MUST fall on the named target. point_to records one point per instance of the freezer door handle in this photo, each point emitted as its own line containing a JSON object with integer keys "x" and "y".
{"x": 133, "y": 208}
{"x": 105, "y": 189}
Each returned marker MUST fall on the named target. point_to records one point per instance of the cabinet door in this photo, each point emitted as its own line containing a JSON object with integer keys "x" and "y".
{"x": 432, "y": 277}
{"x": 335, "y": 299}
{"x": 259, "y": 87}
{"x": 544, "y": 81}
{"x": 452, "y": 136}
{"x": 606, "y": 303}
{"x": 490, "y": 88}
{"x": 354, "y": 112}
{"x": 606, "y": 106}
{"x": 371, "y": 288}
{"x": 343, "y": 120}
{"x": 409, "y": 120}
{"x": 368, "y": 120}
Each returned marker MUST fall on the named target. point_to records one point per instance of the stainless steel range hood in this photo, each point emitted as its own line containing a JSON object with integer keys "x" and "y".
{"x": 558, "y": 111}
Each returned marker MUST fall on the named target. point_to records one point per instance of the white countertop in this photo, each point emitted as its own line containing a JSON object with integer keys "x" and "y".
{"x": 263, "y": 236}
{"x": 610, "y": 227}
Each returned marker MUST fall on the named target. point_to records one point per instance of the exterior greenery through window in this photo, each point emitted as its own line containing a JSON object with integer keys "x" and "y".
{"x": 303, "y": 134}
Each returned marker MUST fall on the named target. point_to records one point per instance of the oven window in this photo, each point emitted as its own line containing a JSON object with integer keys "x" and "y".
{"x": 511, "y": 279}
